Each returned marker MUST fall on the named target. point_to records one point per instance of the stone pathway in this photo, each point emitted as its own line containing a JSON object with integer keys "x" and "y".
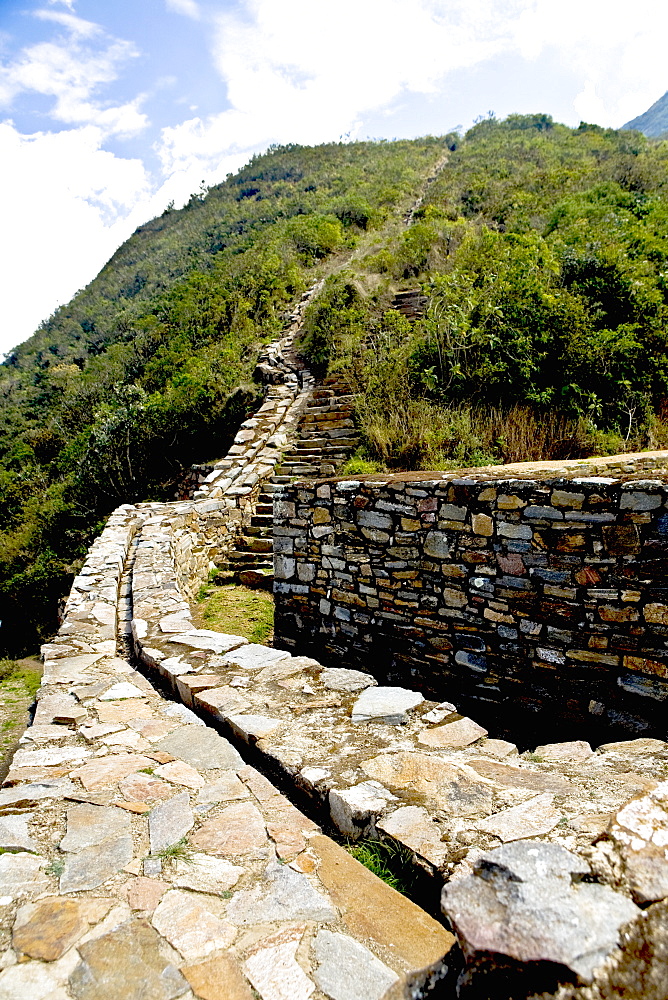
{"x": 144, "y": 860}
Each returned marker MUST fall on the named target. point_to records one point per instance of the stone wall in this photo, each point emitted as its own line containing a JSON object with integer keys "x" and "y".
{"x": 534, "y": 595}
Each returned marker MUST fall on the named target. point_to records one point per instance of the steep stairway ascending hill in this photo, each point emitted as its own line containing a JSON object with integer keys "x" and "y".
{"x": 326, "y": 435}
{"x": 324, "y": 440}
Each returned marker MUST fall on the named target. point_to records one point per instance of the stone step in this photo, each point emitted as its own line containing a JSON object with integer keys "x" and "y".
{"x": 264, "y": 508}
{"x": 255, "y": 544}
{"x": 262, "y": 520}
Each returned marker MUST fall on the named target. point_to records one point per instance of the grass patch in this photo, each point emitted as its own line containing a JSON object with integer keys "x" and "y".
{"x": 180, "y": 851}
{"x": 237, "y": 610}
{"x": 390, "y": 862}
{"x": 19, "y": 681}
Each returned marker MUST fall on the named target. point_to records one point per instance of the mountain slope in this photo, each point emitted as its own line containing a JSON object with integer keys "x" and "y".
{"x": 654, "y": 121}
{"x": 148, "y": 369}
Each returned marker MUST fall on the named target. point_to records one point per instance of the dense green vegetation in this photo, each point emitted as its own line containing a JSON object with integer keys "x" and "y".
{"x": 149, "y": 368}
{"x": 544, "y": 253}
{"x": 654, "y": 121}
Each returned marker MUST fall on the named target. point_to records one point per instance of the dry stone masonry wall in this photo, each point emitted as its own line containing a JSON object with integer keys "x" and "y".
{"x": 542, "y": 602}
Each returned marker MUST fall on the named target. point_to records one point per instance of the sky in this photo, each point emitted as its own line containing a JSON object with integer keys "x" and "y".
{"x": 111, "y": 109}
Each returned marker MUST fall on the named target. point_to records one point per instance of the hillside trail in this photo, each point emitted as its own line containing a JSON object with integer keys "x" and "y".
{"x": 393, "y": 225}
{"x": 321, "y": 438}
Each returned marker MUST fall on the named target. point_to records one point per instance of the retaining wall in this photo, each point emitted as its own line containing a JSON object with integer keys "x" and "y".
{"x": 535, "y": 596}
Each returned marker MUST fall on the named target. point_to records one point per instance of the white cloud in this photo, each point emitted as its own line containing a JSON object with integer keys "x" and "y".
{"x": 67, "y": 204}
{"x": 186, "y": 7}
{"x": 72, "y": 69}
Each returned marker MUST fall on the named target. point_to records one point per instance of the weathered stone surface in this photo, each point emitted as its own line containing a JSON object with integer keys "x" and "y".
{"x": 88, "y": 825}
{"x": 239, "y": 830}
{"x": 255, "y": 727}
{"x": 180, "y": 774}
{"x": 413, "y": 826}
{"x": 206, "y": 874}
{"x": 108, "y": 770}
{"x": 224, "y": 700}
{"x": 227, "y": 788}
{"x": 145, "y": 893}
{"x": 273, "y": 969}
{"x": 126, "y": 964}
{"x": 642, "y": 746}
{"x": 123, "y": 711}
{"x": 254, "y": 657}
{"x": 529, "y": 819}
{"x": 283, "y": 895}
{"x": 373, "y": 910}
{"x": 170, "y": 821}
{"x": 218, "y": 978}
{"x": 349, "y": 971}
{"x": 200, "y": 747}
{"x": 456, "y": 734}
{"x": 92, "y": 866}
{"x": 121, "y": 691}
{"x": 509, "y": 776}
{"x": 26, "y": 795}
{"x": 451, "y": 787}
{"x": 49, "y": 757}
{"x": 22, "y": 875}
{"x": 522, "y": 902}
{"x": 498, "y": 748}
{"x": 385, "y": 704}
{"x": 216, "y": 642}
{"x": 50, "y": 928}
{"x": 356, "y": 809}
{"x": 190, "y": 927}
{"x": 32, "y": 980}
{"x": 575, "y": 751}
{"x": 641, "y": 830}
{"x": 145, "y": 787}
{"x": 14, "y": 834}
{"x": 339, "y": 679}
{"x": 289, "y": 829}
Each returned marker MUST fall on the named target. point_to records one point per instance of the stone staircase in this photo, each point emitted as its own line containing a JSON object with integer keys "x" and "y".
{"x": 322, "y": 442}
{"x": 326, "y": 435}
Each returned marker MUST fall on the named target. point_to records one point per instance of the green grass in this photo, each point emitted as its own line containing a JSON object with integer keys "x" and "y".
{"x": 236, "y": 610}
{"x": 19, "y": 681}
{"x": 180, "y": 851}
{"x": 389, "y": 862}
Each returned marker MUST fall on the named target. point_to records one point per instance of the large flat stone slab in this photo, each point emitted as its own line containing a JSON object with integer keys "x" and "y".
{"x": 218, "y": 978}
{"x": 50, "y": 927}
{"x": 22, "y": 875}
{"x": 215, "y": 642}
{"x": 239, "y": 830}
{"x": 200, "y": 747}
{"x": 205, "y": 873}
{"x": 373, "y": 910}
{"x": 283, "y": 895}
{"x": 88, "y": 825}
{"x": 254, "y": 657}
{"x": 349, "y": 971}
{"x": 92, "y": 866}
{"x": 170, "y": 821}
{"x": 452, "y": 787}
{"x": 126, "y": 964}
{"x": 14, "y": 835}
{"x": 533, "y": 818}
{"x": 108, "y": 770}
{"x": 190, "y": 927}
{"x": 385, "y": 704}
{"x": 273, "y": 969}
